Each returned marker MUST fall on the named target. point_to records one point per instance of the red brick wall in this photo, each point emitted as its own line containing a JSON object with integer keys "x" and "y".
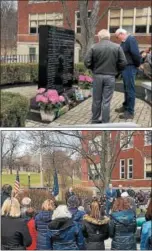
{"x": 137, "y": 154}
{"x": 24, "y": 9}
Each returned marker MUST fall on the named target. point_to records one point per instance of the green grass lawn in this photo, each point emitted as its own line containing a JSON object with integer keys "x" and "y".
{"x": 34, "y": 178}
{"x": 10, "y": 179}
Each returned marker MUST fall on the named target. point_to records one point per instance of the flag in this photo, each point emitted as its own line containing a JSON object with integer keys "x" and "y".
{"x": 55, "y": 190}
{"x": 17, "y": 184}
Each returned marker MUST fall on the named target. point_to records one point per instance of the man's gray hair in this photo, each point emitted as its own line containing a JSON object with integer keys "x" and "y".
{"x": 120, "y": 30}
{"x": 104, "y": 34}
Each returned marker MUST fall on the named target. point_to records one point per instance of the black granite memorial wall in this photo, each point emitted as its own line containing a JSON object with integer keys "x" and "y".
{"x": 56, "y": 58}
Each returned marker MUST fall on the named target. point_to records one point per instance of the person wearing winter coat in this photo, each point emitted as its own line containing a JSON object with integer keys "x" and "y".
{"x": 25, "y": 205}
{"x": 122, "y": 226}
{"x": 42, "y": 219}
{"x": 63, "y": 232}
{"x": 146, "y": 231}
{"x": 30, "y": 221}
{"x": 14, "y": 231}
{"x": 73, "y": 204}
{"x": 6, "y": 193}
{"x": 95, "y": 228}
{"x": 68, "y": 194}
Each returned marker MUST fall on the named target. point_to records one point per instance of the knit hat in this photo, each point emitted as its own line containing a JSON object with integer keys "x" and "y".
{"x": 26, "y": 201}
{"x": 124, "y": 194}
{"x": 73, "y": 202}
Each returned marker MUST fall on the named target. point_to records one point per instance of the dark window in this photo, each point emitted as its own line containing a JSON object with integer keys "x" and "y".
{"x": 78, "y": 30}
{"x": 150, "y": 29}
{"x": 141, "y": 29}
{"x": 113, "y": 29}
{"x": 89, "y": 14}
{"x": 33, "y": 30}
{"x": 78, "y": 14}
{"x": 78, "y": 22}
{"x": 148, "y": 174}
{"x": 122, "y": 175}
{"x": 130, "y": 175}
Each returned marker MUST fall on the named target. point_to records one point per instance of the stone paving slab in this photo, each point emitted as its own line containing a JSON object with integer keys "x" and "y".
{"x": 81, "y": 114}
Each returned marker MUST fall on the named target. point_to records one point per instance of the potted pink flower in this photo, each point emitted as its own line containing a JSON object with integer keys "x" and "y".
{"x": 50, "y": 104}
{"x": 85, "y": 83}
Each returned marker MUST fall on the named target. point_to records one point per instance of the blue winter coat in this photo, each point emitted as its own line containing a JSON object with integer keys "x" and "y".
{"x": 77, "y": 215}
{"x": 110, "y": 195}
{"x": 42, "y": 220}
{"x": 146, "y": 232}
{"x": 65, "y": 234}
{"x": 122, "y": 228}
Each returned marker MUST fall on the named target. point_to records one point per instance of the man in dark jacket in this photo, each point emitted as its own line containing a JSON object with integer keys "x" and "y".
{"x": 105, "y": 59}
{"x": 68, "y": 194}
{"x": 120, "y": 191}
{"x": 131, "y": 50}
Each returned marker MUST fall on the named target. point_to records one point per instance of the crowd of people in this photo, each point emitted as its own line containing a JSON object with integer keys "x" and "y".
{"x": 74, "y": 225}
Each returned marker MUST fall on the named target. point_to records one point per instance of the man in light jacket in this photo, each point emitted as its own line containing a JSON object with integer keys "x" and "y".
{"x": 105, "y": 59}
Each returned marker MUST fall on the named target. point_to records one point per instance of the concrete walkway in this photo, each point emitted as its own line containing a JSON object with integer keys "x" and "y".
{"x": 81, "y": 114}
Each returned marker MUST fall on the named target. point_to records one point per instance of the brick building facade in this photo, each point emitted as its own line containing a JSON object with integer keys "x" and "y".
{"x": 133, "y": 166}
{"x": 135, "y": 16}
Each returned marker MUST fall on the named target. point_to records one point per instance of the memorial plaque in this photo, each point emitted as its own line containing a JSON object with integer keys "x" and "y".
{"x": 56, "y": 58}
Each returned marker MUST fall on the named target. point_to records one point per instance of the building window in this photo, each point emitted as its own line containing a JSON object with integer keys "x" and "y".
{"x": 126, "y": 140}
{"x": 148, "y": 167}
{"x": 36, "y": 20}
{"x": 127, "y": 21}
{"x": 32, "y": 54}
{"x": 95, "y": 145}
{"x": 114, "y": 20}
{"x": 130, "y": 169}
{"x": 122, "y": 169}
{"x": 141, "y": 20}
{"x": 148, "y": 138}
{"x": 93, "y": 175}
{"x": 78, "y": 22}
{"x": 133, "y": 20}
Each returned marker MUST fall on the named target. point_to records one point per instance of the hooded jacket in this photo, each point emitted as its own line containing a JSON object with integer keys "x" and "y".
{"x": 122, "y": 228}
{"x": 146, "y": 233}
{"x": 77, "y": 215}
{"x": 95, "y": 232}
{"x": 65, "y": 234}
{"x": 42, "y": 220}
{"x": 14, "y": 234}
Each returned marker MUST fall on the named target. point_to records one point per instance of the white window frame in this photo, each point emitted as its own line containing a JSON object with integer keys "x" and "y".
{"x": 128, "y": 166}
{"x": 134, "y": 20}
{"x": 147, "y": 143}
{"x": 120, "y": 169}
{"x": 45, "y": 20}
{"x": 93, "y": 169}
{"x": 76, "y": 21}
{"x": 41, "y": 1}
{"x": 130, "y": 144}
{"x": 145, "y": 162}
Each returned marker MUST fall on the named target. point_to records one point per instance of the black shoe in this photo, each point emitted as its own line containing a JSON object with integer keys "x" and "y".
{"x": 126, "y": 115}
{"x": 96, "y": 122}
{"x": 119, "y": 110}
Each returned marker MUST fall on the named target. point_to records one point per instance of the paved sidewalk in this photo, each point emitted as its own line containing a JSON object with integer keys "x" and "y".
{"x": 81, "y": 114}
{"x": 108, "y": 244}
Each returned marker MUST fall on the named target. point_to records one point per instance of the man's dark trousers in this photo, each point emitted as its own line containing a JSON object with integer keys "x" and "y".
{"x": 129, "y": 74}
{"x": 103, "y": 89}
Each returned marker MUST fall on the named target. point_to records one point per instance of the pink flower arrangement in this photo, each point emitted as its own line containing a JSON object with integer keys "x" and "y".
{"x": 41, "y": 90}
{"x": 49, "y": 99}
{"x": 84, "y": 78}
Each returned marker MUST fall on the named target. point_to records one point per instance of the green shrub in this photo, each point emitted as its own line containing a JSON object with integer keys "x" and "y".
{"x": 28, "y": 72}
{"x": 12, "y": 73}
{"x": 14, "y": 109}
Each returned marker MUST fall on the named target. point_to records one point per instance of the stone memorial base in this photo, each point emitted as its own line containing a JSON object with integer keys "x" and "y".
{"x": 148, "y": 91}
